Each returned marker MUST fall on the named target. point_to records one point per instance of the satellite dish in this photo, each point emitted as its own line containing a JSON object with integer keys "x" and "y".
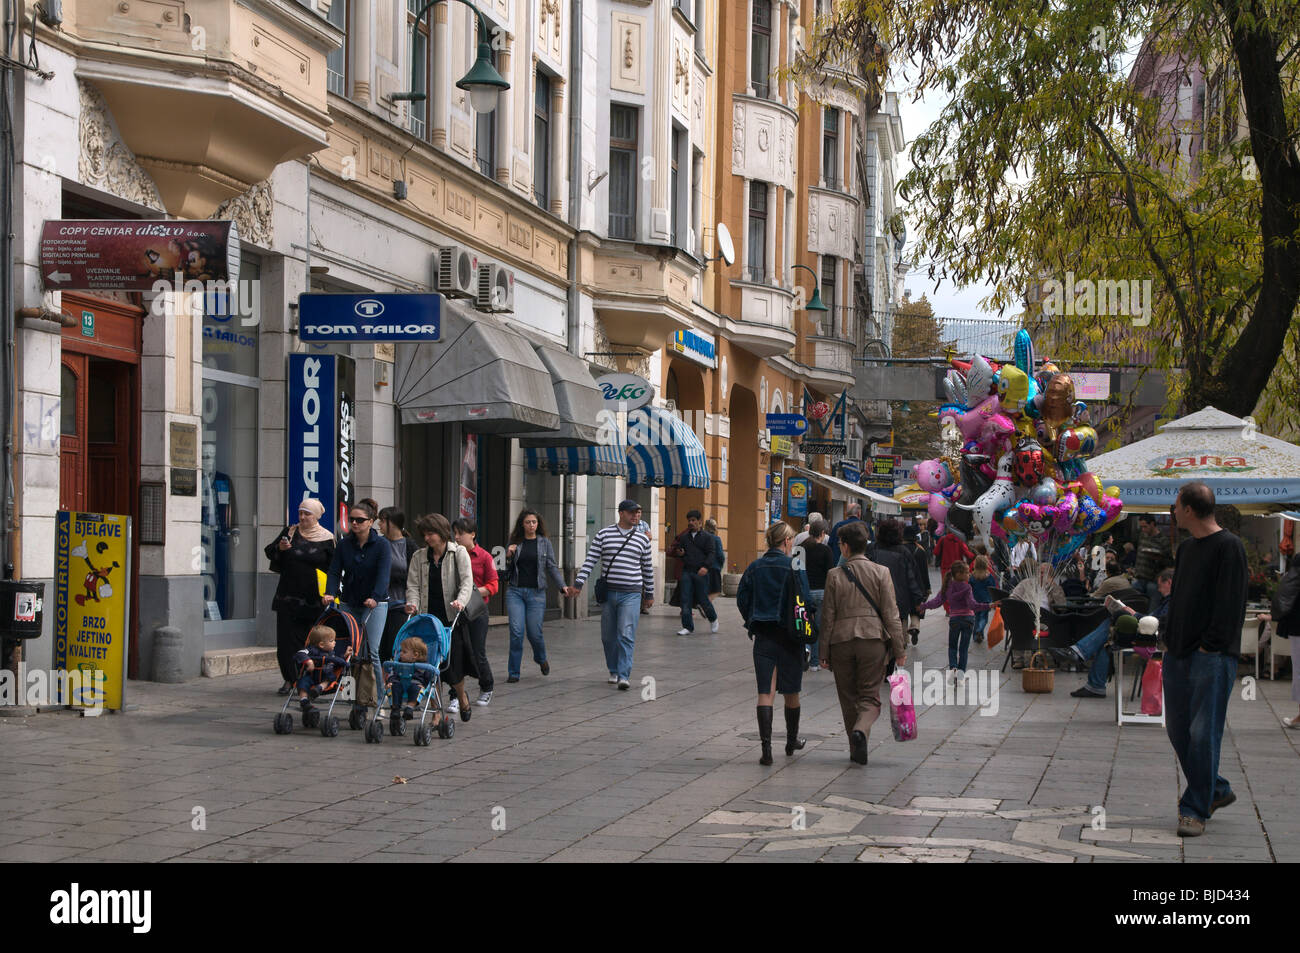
{"x": 726, "y": 250}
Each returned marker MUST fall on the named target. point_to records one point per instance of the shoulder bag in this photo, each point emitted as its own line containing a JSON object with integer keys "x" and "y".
{"x": 602, "y": 586}
{"x": 889, "y": 645}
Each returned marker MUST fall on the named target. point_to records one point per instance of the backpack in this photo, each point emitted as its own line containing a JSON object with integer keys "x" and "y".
{"x": 798, "y": 619}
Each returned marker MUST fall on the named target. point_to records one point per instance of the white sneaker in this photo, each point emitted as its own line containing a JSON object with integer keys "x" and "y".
{"x": 624, "y": 684}
{"x": 685, "y": 631}
{"x": 613, "y": 679}
{"x": 483, "y": 699}
{"x": 454, "y": 707}
{"x": 713, "y": 626}
{"x": 1292, "y": 722}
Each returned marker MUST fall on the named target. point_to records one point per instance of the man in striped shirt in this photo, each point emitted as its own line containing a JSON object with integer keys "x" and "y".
{"x": 623, "y": 554}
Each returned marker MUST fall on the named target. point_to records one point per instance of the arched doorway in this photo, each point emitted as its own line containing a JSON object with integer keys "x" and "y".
{"x": 744, "y": 521}
{"x": 684, "y": 386}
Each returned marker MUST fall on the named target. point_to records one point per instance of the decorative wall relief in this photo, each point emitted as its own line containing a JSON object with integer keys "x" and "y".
{"x": 253, "y": 213}
{"x": 103, "y": 161}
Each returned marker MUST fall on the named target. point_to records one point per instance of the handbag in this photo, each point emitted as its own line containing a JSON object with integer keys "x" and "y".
{"x": 997, "y": 629}
{"x": 1152, "y": 688}
{"x": 889, "y": 645}
{"x": 602, "y": 587}
{"x": 798, "y": 620}
{"x": 902, "y": 712}
{"x": 477, "y": 606}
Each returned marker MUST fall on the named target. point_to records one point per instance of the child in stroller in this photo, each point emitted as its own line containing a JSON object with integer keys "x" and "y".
{"x": 318, "y": 663}
{"x": 422, "y": 647}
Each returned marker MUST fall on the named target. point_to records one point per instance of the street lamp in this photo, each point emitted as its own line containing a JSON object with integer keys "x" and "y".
{"x": 815, "y": 303}
{"x": 483, "y": 83}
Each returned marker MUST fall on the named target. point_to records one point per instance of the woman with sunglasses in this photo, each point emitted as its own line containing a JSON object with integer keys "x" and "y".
{"x": 358, "y": 578}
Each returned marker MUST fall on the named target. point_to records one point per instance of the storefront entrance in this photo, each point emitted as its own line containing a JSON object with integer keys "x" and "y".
{"x": 99, "y": 455}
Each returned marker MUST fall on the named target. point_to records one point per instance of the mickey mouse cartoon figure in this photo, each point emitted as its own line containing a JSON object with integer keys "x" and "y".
{"x": 96, "y": 582}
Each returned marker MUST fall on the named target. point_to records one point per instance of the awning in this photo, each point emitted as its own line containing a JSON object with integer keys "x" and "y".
{"x": 580, "y": 461}
{"x": 663, "y": 451}
{"x": 845, "y": 490}
{"x": 480, "y": 373}
{"x": 576, "y": 395}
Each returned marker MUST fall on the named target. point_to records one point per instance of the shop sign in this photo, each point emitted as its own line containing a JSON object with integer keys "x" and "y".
{"x": 1091, "y": 385}
{"x": 884, "y": 465}
{"x": 322, "y": 442}
{"x": 92, "y": 579}
{"x": 879, "y": 484}
{"x": 624, "y": 392}
{"x": 832, "y": 448}
{"x": 1201, "y": 461}
{"x": 695, "y": 346}
{"x": 787, "y": 425}
{"x": 798, "y": 496}
{"x": 851, "y": 473}
{"x": 328, "y": 318}
{"x": 184, "y": 445}
{"x": 782, "y": 446}
{"x": 469, "y": 478}
{"x": 131, "y": 255}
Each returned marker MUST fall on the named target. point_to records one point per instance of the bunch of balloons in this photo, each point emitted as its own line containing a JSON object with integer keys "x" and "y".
{"x": 1023, "y": 469}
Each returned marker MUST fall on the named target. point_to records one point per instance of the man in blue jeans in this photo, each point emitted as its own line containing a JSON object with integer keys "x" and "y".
{"x": 1092, "y": 645}
{"x": 1207, "y": 609}
{"x": 695, "y": 548}
{"x": 623, "y": 555}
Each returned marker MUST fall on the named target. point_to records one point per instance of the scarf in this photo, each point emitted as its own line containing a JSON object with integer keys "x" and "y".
{"x": 318, "y": 533}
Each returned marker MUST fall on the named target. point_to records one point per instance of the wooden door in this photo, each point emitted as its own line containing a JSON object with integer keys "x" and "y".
{"x": 109, "y": 467}
{"x": 72, "y": 440}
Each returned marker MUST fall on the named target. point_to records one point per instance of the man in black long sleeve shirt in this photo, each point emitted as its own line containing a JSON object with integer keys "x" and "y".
{"x": 1207, "y": 608}
{"x": 695, "y": 549}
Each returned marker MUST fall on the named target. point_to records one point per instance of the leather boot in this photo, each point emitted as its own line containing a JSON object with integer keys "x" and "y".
{"x": 793, "y": 742}
{"x": 765, "y": 732}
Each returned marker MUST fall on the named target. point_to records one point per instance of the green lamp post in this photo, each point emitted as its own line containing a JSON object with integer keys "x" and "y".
{"x": 483, "y": 83}
{"x": 814, "y": 303}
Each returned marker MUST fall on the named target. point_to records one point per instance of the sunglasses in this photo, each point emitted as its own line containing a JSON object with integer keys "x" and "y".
{"x": 359, "y": 519}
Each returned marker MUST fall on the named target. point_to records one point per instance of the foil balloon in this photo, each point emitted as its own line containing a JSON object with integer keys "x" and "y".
{"x": 980, "y": 381}
{"x": 1028, "y": 467}
{"x": 1067, "y": 548}
{"x": 1066, "y": 511}
{"x": 1092, "y": 515}
{"x": 932, "y": 475}
{"x": 992, "y": 502}
{"x": 1012, "y": 522}
{"x": 1091, "y": 485}
{"x": 1073, "y": 442}
{"x": 1013, "y": 388}
{"x": 1046, "y": 492}
{"x": 1036, "y": 520}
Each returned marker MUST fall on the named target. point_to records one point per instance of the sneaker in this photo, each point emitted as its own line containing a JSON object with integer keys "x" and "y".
{"x": 684, "y": 631}
{"x": 484, "y": 699}
{"x": 546, "y": 667}
{"x": 1224, "y": 801}
{"x": 1291, "y": 722}
{"x": 613, "y": 679}
{"x": 915, "y": 634}
{"x": 624, "y": 684}
{"x": 454, "y": 707}
{"x": 1190, "y": 826}
{"x": 512, "y": 679}
{"x": 713, "y": 626}
{"x": 1086, "y": 691}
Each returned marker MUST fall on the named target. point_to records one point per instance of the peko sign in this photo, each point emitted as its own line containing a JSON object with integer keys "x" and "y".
{"x": 322, "y": 439}
{"x": 625, "y": 392}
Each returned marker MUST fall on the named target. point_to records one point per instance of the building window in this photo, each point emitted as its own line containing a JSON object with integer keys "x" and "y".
{"x": 418, "y": 122}
{"x": 760, "y": 48}
{"x": 757, "y": 242}
{"x": 485, "y": 138}
{"x": 678, "y": 237}
{"x": 702, "y": 18}
{"x": 336, "y": 60}
{"x": 830, "y": 321}
{"x": 697, "y": 199}
{"x": 542, "y": 141}
{"x": 831, "y": 147}
{"x": 622, "y": 172}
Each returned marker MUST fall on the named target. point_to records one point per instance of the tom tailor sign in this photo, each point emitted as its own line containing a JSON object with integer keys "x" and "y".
{"x": 369, "y": 317}
{"x": 322, "y": 444}
{"x": 107, "y": 255}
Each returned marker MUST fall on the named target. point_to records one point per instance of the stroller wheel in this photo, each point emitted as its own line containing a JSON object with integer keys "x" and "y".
{"x": 375, "y": 732}
{"x": 446, "y": 728}
{"x": 423, "y": 735}
{"x": 395, "y": 724}
{"x": 311, "y": 718}
{"x": 356, "y": 719}
{"x": 329, "y": 728}
{"x": 283, "y": 723}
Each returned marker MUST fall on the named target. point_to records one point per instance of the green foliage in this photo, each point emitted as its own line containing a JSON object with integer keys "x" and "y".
{"x": 1053, "y": 156}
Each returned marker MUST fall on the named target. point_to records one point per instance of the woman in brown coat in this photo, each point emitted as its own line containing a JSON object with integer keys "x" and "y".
{"x": 855, "y": 636}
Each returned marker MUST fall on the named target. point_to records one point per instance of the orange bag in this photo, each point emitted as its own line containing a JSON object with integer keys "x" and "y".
{"x": 996, "y": 630}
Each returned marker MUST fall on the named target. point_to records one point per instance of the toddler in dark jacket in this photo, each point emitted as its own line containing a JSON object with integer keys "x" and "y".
{"x": 319, "y": 663}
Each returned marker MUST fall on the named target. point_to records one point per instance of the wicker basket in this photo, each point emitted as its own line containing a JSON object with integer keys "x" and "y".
{"x": 1038, "y": 680}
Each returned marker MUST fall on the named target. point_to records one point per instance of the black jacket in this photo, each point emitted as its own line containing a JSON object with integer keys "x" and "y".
{"x": 695, "y": 554}
{"x": 298, "y": 587}
{"x": 1286, "y": 603}
{"x": 902, "y": 570}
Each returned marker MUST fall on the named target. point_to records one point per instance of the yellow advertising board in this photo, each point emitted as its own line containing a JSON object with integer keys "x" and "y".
{"x": 92, "y": 572}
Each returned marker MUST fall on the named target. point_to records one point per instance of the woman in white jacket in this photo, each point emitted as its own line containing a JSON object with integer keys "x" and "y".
{"x": 439, "y": 581}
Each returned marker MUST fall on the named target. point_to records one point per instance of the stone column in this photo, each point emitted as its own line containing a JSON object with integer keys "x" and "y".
{"x": 559, "y": 164}
{"x": 505, "y": 111}
{"x": 439, "y": 83}
{"x": 361, "y": 50}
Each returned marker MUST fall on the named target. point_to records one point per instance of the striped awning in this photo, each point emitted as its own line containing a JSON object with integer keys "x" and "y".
{"x": 663, "y": 451}
{"x": 595, "y": 460}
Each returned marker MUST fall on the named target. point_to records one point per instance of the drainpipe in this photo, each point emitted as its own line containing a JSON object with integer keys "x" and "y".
{"x": 573, "y": 323}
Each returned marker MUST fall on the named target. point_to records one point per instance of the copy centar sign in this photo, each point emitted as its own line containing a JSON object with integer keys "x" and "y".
{"x": 322, "y": 446}
{"x": 369, "y": 317}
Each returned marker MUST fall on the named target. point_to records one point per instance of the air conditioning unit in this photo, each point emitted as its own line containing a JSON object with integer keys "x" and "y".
{"x": 457, "y": 271}
{"x": 496, "y": 289}
{"x": 854, "y": 451}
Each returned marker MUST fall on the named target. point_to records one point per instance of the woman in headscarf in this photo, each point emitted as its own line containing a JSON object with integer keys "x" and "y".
{"x": 297, "y": 555}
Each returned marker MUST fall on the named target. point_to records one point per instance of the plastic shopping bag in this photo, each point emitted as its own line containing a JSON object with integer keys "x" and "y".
{"x": 996, "y": 629}
{"x": 902, "y": 714}
{"x": 1152, "y": 689}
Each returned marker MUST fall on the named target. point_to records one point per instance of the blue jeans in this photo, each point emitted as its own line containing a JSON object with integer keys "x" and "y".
{"x": 1196, "y": 705}
{"x": 960, "y": 629}
{"x": 526, "y": 608}
{"x": 981, "y": 620}
{"x": 814, "y": 659}
{"x": 1092, "y": 646}
{"x": 374, "y": 634}
{"x": 618, "y": 620}
{"x": 695, "y": 588}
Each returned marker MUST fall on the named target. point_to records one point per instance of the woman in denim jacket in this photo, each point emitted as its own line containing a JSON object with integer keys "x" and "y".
{"x": 778, "y": 659}
{"x": 530, "y": 562}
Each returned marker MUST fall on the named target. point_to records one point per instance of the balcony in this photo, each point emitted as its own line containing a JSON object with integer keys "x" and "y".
{"x": 766, "y": 325}
{"x": 827, "y": 353}
{"x": 641, "y": 293}
{"x": 209, "y": 95}
{"x": 832, "y": 222}
{"x": 763, "y": 140}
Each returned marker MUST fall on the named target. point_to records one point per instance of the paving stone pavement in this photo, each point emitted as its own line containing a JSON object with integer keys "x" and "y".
{"x": 566, "y": 768}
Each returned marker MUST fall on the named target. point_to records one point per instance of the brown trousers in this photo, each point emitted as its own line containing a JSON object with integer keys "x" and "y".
{"x": 859, "y": 669}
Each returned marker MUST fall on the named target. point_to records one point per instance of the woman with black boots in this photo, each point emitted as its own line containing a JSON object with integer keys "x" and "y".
{"x": 778, "y": 658}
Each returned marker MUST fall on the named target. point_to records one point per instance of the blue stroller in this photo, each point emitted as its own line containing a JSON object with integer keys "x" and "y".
{"x": 437, "y": 639}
